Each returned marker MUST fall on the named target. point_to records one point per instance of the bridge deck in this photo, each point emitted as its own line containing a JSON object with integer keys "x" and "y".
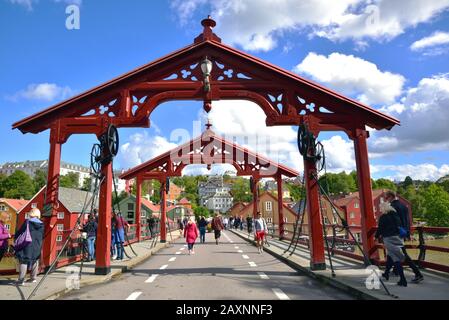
{"x": 351, "y": 275}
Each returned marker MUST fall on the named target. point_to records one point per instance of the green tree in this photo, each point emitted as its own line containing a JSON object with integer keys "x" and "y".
{"x": 70, "y": 180}
{"x": 116, "y": 200}
{"x": 385, "y": 184}
{"x": 18, "y": 185}
{"x": 296, "y": 191}
{"x": 407, "y": 182}
{"x": 156, "y": 197}
{"x": 338, "y": 183}
{"x": 444, "y": 184}
{"x": 201, "y": 211}
{"x": 39, "y": 180}
{"x": 87, "y": 182}
{"x": 241, "y": 191}
{"x": 436, "y": 205}
{"x": 2, "y": 179}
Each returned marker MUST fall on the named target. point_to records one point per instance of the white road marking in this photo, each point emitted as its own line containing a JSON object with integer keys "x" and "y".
{"x": 134, "y": 295}
{"x": 245, "y": 256}
{"x": 185, "y": 245}
{"x": 263, "y": 275}
{"x": 240, "y": 251}
{"x": 280, "y": 294}
{"x": 172, "y": 259}
{"x": 164, "y": 267}
{"x": 178, "y": 252}
{"x": 182, "y": 249}
{"x": 236, "y": 247}
{"x": 152, "y": 278}
{"x": 252, "y": 264}
{"x": 229, "y": 239}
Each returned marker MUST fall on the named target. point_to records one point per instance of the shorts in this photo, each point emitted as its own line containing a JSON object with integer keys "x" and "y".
{"x": 260, "y": 235}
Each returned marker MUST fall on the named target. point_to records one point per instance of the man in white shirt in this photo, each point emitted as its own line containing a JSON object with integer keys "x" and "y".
{"x": 261, "y": 229}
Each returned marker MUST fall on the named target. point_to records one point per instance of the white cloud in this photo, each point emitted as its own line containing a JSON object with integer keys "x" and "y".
{"x": 199, "y": 169}
{"x": 256, "y": 24}
{"x": 245, "y": 121}
{"x": 353, "y": 76}
{"x": 424, "y": 120}
{"x": 425, "y": 171}
{"x": 339, "y": 154}
{"x": 437, "y": 38}
{"x": 141, "y": 147}
{"x": 28, "y": 4}
{"x": 43, "y": 91}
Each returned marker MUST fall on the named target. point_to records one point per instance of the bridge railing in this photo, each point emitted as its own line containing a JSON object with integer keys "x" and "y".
{"x": 431, "y": 256}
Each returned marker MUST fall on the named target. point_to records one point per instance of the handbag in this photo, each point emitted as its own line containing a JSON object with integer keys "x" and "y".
{"x": 23, "y": 240}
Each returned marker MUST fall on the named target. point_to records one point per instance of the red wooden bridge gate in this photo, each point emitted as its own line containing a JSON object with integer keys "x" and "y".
{"x": 208, "y": 70}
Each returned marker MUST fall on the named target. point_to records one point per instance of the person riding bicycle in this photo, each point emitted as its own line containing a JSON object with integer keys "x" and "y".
{"x": 261, "y": 229}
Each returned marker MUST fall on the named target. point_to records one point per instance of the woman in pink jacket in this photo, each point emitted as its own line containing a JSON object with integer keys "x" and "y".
{"x": 191, "y": 233}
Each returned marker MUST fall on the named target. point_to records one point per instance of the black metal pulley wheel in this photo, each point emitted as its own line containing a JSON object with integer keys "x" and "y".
{"x": 112, "y": 140}
{"x": 95, "y": 158}
{"x": 320, "y": 157}
{"x": 301, "y": 140}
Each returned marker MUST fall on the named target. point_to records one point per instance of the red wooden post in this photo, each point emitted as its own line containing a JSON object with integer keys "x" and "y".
{"x": 138, "y": 206}
{"x": 365, "y": 192}
{"x": 103, "y": 249}
{"x": 255, "y": 197}
{"x": 280, "y": 207}
{"x": 54, "y": 164}
{"x": 163, "y": 211}
{"x": 315, "y": 225}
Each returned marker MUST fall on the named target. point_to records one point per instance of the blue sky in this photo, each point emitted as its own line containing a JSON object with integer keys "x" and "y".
{"x": 42, "y": 63}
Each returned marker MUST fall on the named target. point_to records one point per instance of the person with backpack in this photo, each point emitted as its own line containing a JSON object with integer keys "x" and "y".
{"x": 191, "y": 234}
{"x": 28, "y": 246}
{"x": 91, "y": 229}
{"x": 4, "y": 234}
{"x": 402, "y": 212}
{"x": 202, "y": 225}
{"x": 388, "y": 230}
{"x": 217, "y": 226}
{"x": 261, "y": 229}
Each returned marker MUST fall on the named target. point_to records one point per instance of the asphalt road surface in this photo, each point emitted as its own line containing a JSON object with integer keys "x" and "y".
{"x": 232, "y": 270}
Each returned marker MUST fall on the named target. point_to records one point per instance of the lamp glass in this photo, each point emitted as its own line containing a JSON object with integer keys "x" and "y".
{"x": 206, "y": 67}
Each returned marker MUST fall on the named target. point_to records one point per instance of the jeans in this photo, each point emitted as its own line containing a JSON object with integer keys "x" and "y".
{"x": 91, "y": 247}
{"x": 120, "y": 239}
{"x": 190, "y": 246}
{"x": 23, "y": 271}
{"x": 202, "y": 234}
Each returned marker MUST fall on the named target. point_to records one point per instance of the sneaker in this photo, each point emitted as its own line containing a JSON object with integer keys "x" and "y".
{"x": 114, "y": 257}
{"x": 20, "y": 283}
{"x": 31, "y": 280}
{"x": 418, "y": 279}
{"x": 193, "y": 252}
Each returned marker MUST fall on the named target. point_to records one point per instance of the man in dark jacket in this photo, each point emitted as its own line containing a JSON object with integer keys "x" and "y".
{"x": 29, "y": 256}
{"x": 217, "y": 225}
{"x": 402, "y": 212}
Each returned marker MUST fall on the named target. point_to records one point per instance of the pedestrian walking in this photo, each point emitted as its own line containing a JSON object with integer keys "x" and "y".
{"x": 28, "y": 246}
{"x": 249, "y": 224}
{"x": 403, "y": 214}
{"x": 191, "y": 234}
{"x": 231, "y": 222}
{"x": 217, "y": 226}
{"x": 4, "y": 234}
{"x": 180, "y": 226}
{"x": 202, "y": 225}
{"x": 236, "y": 223}
{"x": 121, "y": 226}
{"x": 91, "y": 229}
{"x": 113, "y": 238}
{"x": 225, "y": 223}
{"x": 261, "y": 229}
{"x": 388, "y": 230}
{"x": 241, "y": 223}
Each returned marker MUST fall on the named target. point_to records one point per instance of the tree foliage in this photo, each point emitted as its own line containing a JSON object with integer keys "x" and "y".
{"x": 17, "y": 185}
{"x": 240, "y": 190}
{"x": 70, "y": 180}
{"x": 39, "y": 180}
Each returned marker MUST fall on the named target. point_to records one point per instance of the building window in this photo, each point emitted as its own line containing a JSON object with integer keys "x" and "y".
{"x": 285, "y": 219}
{"x": 130, "y": 206}
{"x": 352, "y": 215}
{"x": 269, "y": 220}
{"x": 60, "y": 215}
{"x": 130, "y": 215}
{"x": 356, "y": 205}
{"x": 59, "y": 238}
{"x": 2, "y": 207}
{"x": 268, "y": 206}
{"x": 7, "y": 227}
{"x": 33, "y": 205}
{"x": 60, "y": 227}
